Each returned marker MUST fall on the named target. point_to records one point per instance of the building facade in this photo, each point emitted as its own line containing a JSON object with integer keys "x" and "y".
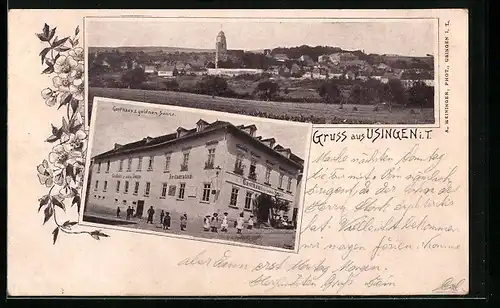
{"x": 213, "y": 168}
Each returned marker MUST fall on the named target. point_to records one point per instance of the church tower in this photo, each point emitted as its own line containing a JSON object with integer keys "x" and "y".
{"x": 220, "y": 48}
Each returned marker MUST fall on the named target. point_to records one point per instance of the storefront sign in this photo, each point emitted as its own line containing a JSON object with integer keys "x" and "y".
{"x": 181, "y": 177}
{"x": 127, "y": 176}
{"x": 262, "y": 188}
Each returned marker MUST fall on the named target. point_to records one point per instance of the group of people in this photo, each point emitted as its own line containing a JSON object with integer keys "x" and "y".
{"x": 130, "y": 212}
{"x": 211, "y": 223}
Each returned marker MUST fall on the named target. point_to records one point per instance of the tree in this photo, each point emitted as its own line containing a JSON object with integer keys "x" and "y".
{"x": 267, "y": 89}
{"x": 421, "y": 95}
{"x": 212, "y": 85}
{"x": 359, "y": 95}
{"x": 330, "y": 92}
{"x": 134, "y": 78}
{"x": 267, "y": 207}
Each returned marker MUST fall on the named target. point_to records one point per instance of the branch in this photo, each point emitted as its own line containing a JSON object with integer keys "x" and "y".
{"x": 65, "y": 230}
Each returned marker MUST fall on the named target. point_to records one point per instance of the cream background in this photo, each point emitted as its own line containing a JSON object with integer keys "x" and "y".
{"x": 135, "y": 264}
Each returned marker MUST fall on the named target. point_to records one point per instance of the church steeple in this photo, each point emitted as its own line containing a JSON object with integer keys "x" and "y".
{"x": 220, "y": 48}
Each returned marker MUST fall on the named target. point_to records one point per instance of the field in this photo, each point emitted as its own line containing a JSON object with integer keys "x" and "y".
{"x": 318, "y": 113}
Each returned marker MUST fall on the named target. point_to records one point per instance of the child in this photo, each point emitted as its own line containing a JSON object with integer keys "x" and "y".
{"x": 184, "y": 222}
{"x": 215, "y": 221}
{"x": 224, "y": 225}
{"x": 239, "y": 224}
{"x": 206, "y": 223}
{"x": 166, "y": 221}
{"x": 250, "y": 222}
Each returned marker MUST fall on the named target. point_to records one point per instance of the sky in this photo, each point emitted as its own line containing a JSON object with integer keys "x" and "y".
{"x": 411, "y": 37}
{"x": 122, "y": 127}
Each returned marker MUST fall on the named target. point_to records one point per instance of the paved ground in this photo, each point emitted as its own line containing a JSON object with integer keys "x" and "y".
{"x": 263, "y": 237}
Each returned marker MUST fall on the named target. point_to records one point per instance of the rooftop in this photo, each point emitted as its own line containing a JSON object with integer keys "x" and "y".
{"x": 241, "y": 130}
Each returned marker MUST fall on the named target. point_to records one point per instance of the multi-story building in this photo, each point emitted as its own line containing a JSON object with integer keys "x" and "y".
{"x": 215, "y": 167}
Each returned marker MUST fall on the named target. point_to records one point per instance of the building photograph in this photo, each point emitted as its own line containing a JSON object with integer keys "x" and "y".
{"x": 183, "y": 172}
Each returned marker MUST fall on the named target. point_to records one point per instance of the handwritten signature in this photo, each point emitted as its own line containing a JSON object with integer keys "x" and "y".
{"x": 450, "y": 285}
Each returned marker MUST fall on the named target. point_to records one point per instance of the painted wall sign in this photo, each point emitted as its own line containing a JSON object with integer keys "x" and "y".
{"x": 127, "y": 176}
{"x": 180, "y": 177}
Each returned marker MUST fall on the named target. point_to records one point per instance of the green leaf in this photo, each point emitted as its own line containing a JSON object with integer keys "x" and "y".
{"x": 74, "y": 105}
{"x": 43, "y": 201}
{"x": 54, "y": 129}
{"x": 41, "y": 37}
{"x": 68, "y": 223}
{"x": 52, "y": 139}
{"x": 77, "y": 30}
{"x": 55, "y": 233}
{"x": 49, "y": 62}
{"x": 44, "y": 52}
{"x": 48, "y": 70}
{"x": 70, "y": 172}
{"x": 58, "y": 203}
{"x": 65, "y": 101}
{"x": 46, "y": 30}
{"x": 59, "y": 42}
{"x": 51, "y": 34}
{"x": 75, "y": 42}
{"x": 76, "y": 200}
{"x": 49, "y": 211}
{"x": 62, "y": 49}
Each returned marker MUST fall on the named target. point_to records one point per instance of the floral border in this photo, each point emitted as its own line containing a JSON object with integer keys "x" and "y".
{"x": 63, "y": 172}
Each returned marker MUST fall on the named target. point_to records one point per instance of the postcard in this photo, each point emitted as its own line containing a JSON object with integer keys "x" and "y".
{"x": 238, "y": 153}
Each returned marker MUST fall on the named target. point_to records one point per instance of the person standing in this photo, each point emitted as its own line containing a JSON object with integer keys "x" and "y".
{"x": 206, "y": 223}
{"x": 151, "y": 213}
{"x": 250, "y": 222}
{"x": 224, "y": 225}
{"x": 118, "y": 212}
{"x": 129, "y": 212}
{"x": 215, "y": 221}
{"x": 239, "y": 223}
{"x": 166, "y": 221}
{"x": 183, "y": 222}
{"x": 162, "y": 214}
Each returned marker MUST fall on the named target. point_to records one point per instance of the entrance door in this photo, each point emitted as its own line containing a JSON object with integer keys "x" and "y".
{"x": 140, "y": 208}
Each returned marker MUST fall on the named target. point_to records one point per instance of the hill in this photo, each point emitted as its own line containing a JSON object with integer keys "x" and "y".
{"x": 147, "y": 49}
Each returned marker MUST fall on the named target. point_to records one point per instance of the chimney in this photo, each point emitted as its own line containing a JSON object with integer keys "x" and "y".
{"x": 250, "y": 129}
{"x": 147, "y": 139}
{"x": 117, "y": 146}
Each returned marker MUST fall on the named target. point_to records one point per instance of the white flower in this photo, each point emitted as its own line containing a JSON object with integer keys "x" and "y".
{"x": 76, "y": 76}
{"x": 76, "y": 142}
{"x": 63, "y": 154}
{"x": 45, "y": 173}
{"x": 77, "y": 54}
{"x": 77, "y": 90}
{"x": 62, "y": 84}
{"x": 49, "y": 96}
{"x": 64, "y": 65}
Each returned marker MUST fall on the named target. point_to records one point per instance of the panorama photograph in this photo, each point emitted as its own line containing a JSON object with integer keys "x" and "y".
{"x": 321, "y": 72}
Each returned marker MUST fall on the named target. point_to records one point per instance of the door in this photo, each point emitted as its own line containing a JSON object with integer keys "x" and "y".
{"x": 140, "y": 208}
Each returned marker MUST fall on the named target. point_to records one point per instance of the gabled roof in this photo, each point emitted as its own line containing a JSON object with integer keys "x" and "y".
{"x": 165, "y": 140}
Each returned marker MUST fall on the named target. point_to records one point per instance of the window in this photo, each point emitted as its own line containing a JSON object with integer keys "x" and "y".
{"x": 252, "y": 171}
{"x": 280, "y": 183}
{"x": 171, "y": 190}
{"x": 148, "y": 189}
{"x": 164, "y": 188}
{"x": 182, "y": 188}
{"x": 238, "y": 166}
{"x": 120, "y": 168}
{"x": 139, "y": 164}
{"x": 105, "y": 186}
{"x": 167, "y": 162}
{"x": 96, "y": 185}
{"x": 248, "y": 200}
{"x": 289, "y": 185}
{"x": 129, "y": 165}
{"x": 99, "y": 167}
{"x": 108, "y": 165}
{"x": 126, "y": 188}
{"x": 136, "y": 188}
{"x": 150, "y": 165}
{"x": 234, "y": 197}
{"x": 117, "y": 186}
{"x": 206, "y": 192}
{"x": 268, "y": 175}
{"x": 185, "y": 161}
{"x": 211, "y": 159}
